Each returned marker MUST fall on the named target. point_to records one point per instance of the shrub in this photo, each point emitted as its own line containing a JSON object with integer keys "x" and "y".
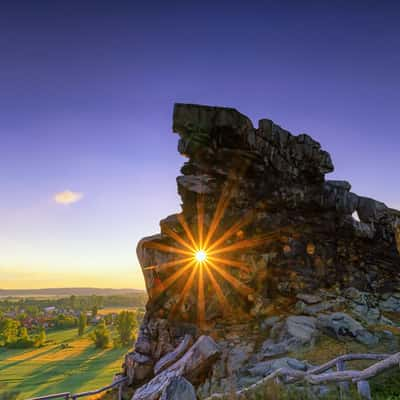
{"x": 101, "y": 336}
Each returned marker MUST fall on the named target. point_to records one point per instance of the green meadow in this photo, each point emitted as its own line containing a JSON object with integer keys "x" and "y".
{"x": 67, "y": 363}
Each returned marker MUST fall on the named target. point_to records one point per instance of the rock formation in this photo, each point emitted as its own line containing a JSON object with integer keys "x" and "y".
{"x": 287, "y": 251}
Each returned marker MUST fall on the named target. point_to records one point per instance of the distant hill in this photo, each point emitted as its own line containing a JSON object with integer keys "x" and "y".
{"x": 79, "y": 291}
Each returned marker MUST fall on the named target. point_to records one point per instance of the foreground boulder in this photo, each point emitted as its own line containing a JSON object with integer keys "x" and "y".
{"x": 193, "y": 365}
{"x": 288, "y": 255}
{"x": 174, "y": 355}
{"x": 178, "y": 389}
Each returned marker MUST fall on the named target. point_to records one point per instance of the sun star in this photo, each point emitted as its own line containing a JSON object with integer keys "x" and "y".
{"x": 200, "y": 256}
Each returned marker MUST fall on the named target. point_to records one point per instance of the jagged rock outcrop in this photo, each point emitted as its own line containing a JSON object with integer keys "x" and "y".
{"x": 281, "y": 239}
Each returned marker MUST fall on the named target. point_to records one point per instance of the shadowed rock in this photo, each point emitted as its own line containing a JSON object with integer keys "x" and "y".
{"x": 179, "y": 388}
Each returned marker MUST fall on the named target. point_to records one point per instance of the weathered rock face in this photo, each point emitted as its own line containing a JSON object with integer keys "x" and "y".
{"x": 256, "y": 199}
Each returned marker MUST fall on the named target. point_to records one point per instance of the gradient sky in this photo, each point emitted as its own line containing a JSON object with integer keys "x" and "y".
{"x": 86, "y": 96}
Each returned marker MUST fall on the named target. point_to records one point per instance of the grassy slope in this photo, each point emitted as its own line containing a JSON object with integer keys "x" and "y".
{"x": 52, "y": 369}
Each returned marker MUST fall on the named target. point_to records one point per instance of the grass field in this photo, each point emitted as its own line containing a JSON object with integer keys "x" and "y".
{"x": 115, "y": 310}
{"x": 58, "y": 368}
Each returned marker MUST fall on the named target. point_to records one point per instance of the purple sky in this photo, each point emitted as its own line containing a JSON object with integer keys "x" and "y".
{"x": 86, "y": 96}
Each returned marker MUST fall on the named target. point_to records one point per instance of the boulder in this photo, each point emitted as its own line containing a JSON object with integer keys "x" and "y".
{"x": 343, "y": 185}
{"x": 237, "y": 356}
{"x": 173, "y": 356}
{"x": 292, "y": 334}
{"x": 265, "y": 368}
{"x": 192, "y": 366}
{"x": 390, "y": 302}
{"x": 138, "y": 367}
{"x": 178, "y": 388}
{"x": 198, "y": 359}
{"x": 309, "y": 298}
{"x": 371, "y": 210}
{"x": 317, "y": 308}
{"x": 342, "y": 326}
{"x": 300, "y": 328}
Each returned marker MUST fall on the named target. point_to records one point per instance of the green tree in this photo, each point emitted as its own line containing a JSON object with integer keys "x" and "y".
{"x": 41, "y": 338}
{"x": 101, "y": 336}
{"x": 73, "y": 302}
{"x": 22, "y": 340}
{"x": 95, "y": 309}
{"x": 126, "y": 326}
{"x": 23, "y": 333}
{"x": 108, "y": 318}
{"x": 82, "y": 324}
{"x": 32, "y": 310}
{"x": 9, "y": 329}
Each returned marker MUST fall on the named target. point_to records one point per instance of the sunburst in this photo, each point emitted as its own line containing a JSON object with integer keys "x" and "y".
{"x": 202, "y": 257}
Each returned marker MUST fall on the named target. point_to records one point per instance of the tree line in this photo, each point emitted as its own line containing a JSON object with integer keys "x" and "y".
{"x": 32, "y": 306}
{"x": 14, "y": 335}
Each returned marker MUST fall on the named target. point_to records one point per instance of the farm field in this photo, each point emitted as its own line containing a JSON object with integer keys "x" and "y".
{"x": 67, "y": 363}
{"x": 114, "y": 310}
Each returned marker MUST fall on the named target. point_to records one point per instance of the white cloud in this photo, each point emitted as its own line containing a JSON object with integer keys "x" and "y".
{"x": 67, "y": 197}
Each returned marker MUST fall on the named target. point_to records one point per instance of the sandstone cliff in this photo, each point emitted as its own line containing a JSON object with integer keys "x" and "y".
{"x": 289, "y": 255}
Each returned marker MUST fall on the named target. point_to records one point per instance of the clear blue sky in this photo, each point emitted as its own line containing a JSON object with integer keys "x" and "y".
{"x": 86, "y": 96}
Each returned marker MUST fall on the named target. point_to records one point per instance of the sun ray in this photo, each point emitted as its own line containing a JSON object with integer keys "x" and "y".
{"x": 245, "y": 244}
{"x": 185, "y": 291}
{"x": 200, "y": 295}
{"x": 171, "y": 279}
{"x": 225, "y": 197}
{"x": 166, "y": 248}
{"x": 222, "y": 204}
{"x": 232, "y": 263}
{"x": 239, "y": 286}
{"x": 169, "y": 264}
{"x": 200, "y": 220}
{"x": 187, "y": 230}
{"x": 226, "y": 308}
{"x": 175, "y": 236}
{"x": 245, "y": 220}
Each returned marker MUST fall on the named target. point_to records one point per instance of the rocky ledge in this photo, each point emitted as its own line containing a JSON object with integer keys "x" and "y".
{"x": 292, "y": 259}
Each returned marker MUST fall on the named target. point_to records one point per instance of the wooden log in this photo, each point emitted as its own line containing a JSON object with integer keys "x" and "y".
{"x": 347, "y": 357}
{"x": 120, "y": 392}
{"x": 379, "y": 367}
{"x": 344, "y": 387}
{"x": 370, "y": 372}
{"x": 63, "y": 395}
{"x": 364, "y": 390}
